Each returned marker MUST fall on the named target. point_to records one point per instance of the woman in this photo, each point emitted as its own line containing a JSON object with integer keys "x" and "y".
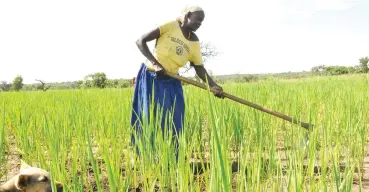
{"x": 176, "y": 44}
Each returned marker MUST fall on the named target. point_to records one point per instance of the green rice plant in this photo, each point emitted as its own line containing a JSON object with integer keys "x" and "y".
{"x": 2, "y": 139}
{"x": 83, "y": 138}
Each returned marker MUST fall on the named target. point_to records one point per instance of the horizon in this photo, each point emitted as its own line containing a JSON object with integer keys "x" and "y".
{"x": 72, "y": 39}
{"x": 188, "y": 76}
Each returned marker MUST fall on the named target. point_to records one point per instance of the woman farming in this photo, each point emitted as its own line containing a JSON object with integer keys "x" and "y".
{"x": 176, "y": 44}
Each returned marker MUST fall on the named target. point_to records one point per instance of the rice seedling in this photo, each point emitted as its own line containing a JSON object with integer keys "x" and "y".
{"x": 83, "y": 138}
{"x": 2, "y": 140}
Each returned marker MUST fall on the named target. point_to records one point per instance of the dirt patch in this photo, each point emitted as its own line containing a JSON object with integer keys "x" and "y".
{"x": 365, "y": 173}
{"x": 12, "y": 159}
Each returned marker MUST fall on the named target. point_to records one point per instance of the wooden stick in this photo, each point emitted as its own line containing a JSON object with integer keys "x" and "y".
{"x": 245, "y": 102}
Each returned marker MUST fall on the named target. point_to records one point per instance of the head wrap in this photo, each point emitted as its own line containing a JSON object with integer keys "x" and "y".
{"x": 188, "y": 10}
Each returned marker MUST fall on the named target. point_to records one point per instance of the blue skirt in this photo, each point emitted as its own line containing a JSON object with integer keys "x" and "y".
{"x": 165, "y": 94}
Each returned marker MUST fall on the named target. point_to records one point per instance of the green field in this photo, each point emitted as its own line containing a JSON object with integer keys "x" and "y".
{"x": 82, "y": 137}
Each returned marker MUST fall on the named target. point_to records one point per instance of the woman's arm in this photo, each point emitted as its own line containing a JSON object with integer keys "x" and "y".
{"x": 201, "y": 71}
{"x": 203, "y": 74}
{"x": 142, "y": 46}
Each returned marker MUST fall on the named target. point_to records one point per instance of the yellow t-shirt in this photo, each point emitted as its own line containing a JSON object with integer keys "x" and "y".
{"x": 173, "y": 50}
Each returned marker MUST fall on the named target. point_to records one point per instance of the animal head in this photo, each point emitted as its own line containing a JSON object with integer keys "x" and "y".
{"x": 33, "y": 179}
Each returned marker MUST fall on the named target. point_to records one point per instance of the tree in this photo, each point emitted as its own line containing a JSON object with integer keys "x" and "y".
{"x": 364, "y": 64}
{"x": 124, "y": 83}
{"x": 42, "y": 86}
{"x": 98, "y": 80}
{"x": 318, "y": 70}
{"x": 249, "y": 78}
{"x": 112, "y": 83}
{"x": 337, "y": 70}
{"x": 207, "y": 51}
{"x": 86, "y": 83}
{"x": 4, "y": 86}
{"x": 17, "y": 83}
{"x": 77, "y": 84}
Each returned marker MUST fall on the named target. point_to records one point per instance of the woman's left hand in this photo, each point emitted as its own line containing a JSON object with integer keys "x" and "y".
{"x": 217, "y": 90}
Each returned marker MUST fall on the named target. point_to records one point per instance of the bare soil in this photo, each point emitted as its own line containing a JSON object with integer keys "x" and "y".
{"x": 12, "y": 159}
{"x": 365, "y": 173}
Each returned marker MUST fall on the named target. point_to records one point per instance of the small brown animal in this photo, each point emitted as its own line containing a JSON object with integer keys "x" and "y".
{"x": 30, "y": 179}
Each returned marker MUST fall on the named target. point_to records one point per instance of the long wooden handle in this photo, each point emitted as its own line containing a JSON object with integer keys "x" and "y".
{"x": 245, "y": 102}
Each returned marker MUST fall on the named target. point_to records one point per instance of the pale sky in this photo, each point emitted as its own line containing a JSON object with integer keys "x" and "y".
{"x": 66, "y": 40}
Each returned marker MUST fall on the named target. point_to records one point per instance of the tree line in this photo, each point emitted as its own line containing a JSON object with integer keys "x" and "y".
{"x": 95, "y": 80}
{"x": 341, "y": 70}
{"x": 100, "y": 80}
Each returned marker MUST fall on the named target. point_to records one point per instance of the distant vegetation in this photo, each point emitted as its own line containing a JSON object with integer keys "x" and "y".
{"x": 100, "y": 79}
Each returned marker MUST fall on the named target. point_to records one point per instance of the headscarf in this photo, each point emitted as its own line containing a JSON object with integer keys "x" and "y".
{"x": 188, "y": 10}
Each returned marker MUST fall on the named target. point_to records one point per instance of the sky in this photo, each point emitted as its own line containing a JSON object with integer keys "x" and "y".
{"x": 58, "y": 41}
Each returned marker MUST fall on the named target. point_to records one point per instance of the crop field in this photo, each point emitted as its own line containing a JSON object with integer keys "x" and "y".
{"x": 83, "y": 138}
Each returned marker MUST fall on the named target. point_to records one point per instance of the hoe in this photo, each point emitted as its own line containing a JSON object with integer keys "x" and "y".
{"x": 242, "y": 101}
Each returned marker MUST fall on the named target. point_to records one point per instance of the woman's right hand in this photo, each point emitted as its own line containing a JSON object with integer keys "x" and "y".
{"x": 159, "y": 69}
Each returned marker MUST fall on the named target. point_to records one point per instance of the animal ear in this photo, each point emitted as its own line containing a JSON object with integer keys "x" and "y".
{"x": 24, "y": 165}
{"x": 22, "y": 182}
{"x": 59, "y": 186}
